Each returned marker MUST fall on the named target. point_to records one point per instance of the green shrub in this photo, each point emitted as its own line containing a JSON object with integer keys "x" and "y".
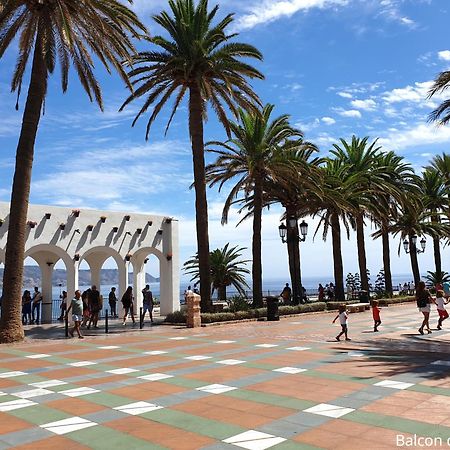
{"x": 332, "y": 306}
{"x": 238, "y": 303}
{"x": 239, "y": 315}
{"x": 395, "y": 300}
{"x": 176, "y": 317}
{"x": 217, "y": 317}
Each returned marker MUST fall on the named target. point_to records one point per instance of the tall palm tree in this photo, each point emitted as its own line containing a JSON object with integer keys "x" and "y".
{"x": 383, "y": 209}
{"x": 435, "y": 200}
{"x": 252, "y": 157}
{"x": 442, "y": 113}
{"x": 359, "y": 158}
{"x": 60, "y": 32}
{"x": 199, "y": 59}
{"x": 227, "y": 269}
{"x": 441, "y": 163}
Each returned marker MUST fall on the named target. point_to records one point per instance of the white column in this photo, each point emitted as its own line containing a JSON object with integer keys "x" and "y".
{"x": 138, "y": 283}
{"x": 47, "y": 295}
{"x": 72, "y": 279}
{"x": 169, "y": 271}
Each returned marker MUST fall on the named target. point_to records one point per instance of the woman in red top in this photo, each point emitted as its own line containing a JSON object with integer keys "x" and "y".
{"x": 376, "y": 315}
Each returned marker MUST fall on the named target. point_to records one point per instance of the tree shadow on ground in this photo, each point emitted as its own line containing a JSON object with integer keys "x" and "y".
{"x": 387, "y": 357}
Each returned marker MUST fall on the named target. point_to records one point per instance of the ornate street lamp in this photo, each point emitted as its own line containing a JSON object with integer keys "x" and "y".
{"x": 423, "y": 244}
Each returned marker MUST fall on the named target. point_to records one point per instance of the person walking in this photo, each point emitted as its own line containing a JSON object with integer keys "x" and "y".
{"x": 127, "y": 302}
{"x": 112, "y": 300}
{"x": 147, "y": 303}
{"x": 95, "y": 306}
{"x": 440, "y": 303}
{"x": 26, "y": 307}
{"x": 424, "y": 300}
{"x": 36, "y": 306}
{"x": 343, "y": 320}
{"x": 321, "y": 291}
{"x": 76, "y": 305}
{"x": 376, "y": 315}
{"x": 63, "y": 305}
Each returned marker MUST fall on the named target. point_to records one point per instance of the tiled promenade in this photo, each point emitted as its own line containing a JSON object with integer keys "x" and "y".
{"x": 256, "y": 385}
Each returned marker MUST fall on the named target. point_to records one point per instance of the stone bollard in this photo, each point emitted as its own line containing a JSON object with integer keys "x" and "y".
{"x": 193, "y": 319}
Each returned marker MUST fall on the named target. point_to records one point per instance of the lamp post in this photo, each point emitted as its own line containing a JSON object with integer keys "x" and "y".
{"x": 290, "y": 235}
{"x": 410, "y": 247}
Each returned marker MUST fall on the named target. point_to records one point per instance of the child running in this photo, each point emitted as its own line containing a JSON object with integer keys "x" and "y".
{"x": 376, "y": 315}
{"x": 76, "y": 305}
{"x": 343, "y": 320}
{"x": 440, "y": 302}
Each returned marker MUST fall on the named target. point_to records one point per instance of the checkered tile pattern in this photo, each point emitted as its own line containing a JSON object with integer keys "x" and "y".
{"x": 256, "y": 385}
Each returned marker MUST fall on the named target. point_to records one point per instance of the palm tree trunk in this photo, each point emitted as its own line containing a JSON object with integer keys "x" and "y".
{"x": 437, "y": 255}
{"x": 222, "y": 293}
{"x": 201, "y": 204}
{"x": 11, "y": 329}
{"x": 256, "y": 246}
{"x": 293, "y": 246}
{"x": 337, "y": 258}
{"x": 386, "y": 260}
{"x": 414, "y": 261}
{"x": 361, "y": 252}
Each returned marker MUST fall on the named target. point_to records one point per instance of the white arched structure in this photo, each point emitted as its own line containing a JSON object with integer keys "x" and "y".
{"x": 55, "y": 233}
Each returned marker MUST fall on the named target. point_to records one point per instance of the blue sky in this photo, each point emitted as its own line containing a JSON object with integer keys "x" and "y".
{"x": 338, "y": 67}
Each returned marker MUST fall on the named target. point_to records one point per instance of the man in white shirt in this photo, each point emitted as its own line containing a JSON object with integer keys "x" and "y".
{"x": 36, "y": 306}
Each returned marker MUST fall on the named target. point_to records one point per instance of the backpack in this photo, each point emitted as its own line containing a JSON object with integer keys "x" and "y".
{"x": 422, "y": 301}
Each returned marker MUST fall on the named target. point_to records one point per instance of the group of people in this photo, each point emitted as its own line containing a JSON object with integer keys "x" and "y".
{"x": 327, "y": 291}
{"x": 31, "y": 307}
{"x": 286, "y": 294}
{"x": 424, "y": 300}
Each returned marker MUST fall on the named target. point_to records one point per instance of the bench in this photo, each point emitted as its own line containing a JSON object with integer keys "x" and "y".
{"x": 358, "y": 307}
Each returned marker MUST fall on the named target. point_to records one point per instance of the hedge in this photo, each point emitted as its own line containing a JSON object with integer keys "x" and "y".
{"x": 395, "y": 300}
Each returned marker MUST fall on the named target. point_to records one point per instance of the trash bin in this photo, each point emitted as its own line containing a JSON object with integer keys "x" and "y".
{"x": 363, "y": 296}
{"x": 272, "y": 308}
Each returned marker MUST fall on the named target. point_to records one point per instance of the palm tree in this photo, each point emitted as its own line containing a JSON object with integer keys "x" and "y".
{"x": 199, "y": 59}
{"x": 54, "y": 32}
{"x": 442, "y": 113}
{"x": 252, "y": 156}
{"x": 359, "y": 157}
{"x": 383, "y": 209}
{"x": 226, "y": 270}
{"x": 436, "y": 200}
{"x": 442, "y": 165}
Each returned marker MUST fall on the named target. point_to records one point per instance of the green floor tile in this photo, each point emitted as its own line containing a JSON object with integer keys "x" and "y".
{"x": 104, "y": 438}
{"x": 195, "y": 424}
{"x": 184, "y": 382}
{"x": 110, "y": 400}
{"x": 290, "y": 445}
{"x": 256, "y": 365}
{"x": 39, "y": 414}
{"x": 434, "y": 390}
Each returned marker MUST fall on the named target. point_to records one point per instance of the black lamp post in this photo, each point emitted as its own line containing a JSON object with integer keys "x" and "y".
{"x": 423, "y": 244}
{"x": 290, "y": 235}
{"x": 410, "y": 246}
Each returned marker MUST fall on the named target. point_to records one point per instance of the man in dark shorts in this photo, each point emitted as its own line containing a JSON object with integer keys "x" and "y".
{"x": 95, "y": 306}
{"x": 147, "y": 303}
{"x": 112, "y": 300}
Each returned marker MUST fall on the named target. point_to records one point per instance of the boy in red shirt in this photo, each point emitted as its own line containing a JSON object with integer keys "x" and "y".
{"x": 376, "y": 315}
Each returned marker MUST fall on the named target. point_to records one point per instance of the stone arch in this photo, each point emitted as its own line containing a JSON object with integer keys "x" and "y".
{"x": 96, "y": 256}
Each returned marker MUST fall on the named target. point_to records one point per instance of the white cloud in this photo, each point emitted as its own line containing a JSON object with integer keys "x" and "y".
{"x": 328, "y": 120}
{"x": 269, "y": 11}
{"x": 366, "y": 105}
{"x": 350, "y": 113}
{"x": 417, "y": 93}
{"x": 444, "y": 55}
{"x": 345, "y": 94}
{"x": 415, "y": 136}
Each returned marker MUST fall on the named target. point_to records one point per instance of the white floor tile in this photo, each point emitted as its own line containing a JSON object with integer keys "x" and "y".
{"x": 179, "y": 338}
{"x": 47, "y": 384}
{"x": 230, "y": 362}
{"x": 78, "y": 392}
{"x": 295, "y": 323}
{"x": 216, "y": 388}
{"x": 138, "y": 408}
{"x": 292, "y": 370}
{"x": 32, "y": 393}
{"x": 298, "y": 349}
{"x": 356, "y": 354}
{"x": 394, "y": 384}
{"x": 38, "y": 356}
{"x": 155, "y": 377}
{"x": 15, "y": 404}
{"x": 122, "y": 371}
{"x": 224, "y": 342}
{"x": 109, "y": 347}
{"x": 12, "y": 374}
{"x": 266, "y": 345}
{"x": 198, "y": 357}
{"x": 155, "y": 352}
{"x": 68, "y": 425}
{"x": 324, "y": 409}
{"x": 254, "y": 440}
{"x": 82, "y": 363}
{"x": 3, "y": 393}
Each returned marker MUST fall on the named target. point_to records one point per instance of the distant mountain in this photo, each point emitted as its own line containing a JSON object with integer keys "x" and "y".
{"x": 32, "y": 277}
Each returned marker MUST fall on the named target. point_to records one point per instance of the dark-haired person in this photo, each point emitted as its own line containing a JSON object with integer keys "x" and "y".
{"x": 424, "y": 300}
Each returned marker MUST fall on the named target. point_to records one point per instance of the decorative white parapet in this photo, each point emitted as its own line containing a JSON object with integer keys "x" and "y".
{"x": 74, "y": 235}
